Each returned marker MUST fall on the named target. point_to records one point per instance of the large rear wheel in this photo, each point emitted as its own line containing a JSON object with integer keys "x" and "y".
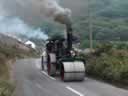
{"x": 51, "y": 66}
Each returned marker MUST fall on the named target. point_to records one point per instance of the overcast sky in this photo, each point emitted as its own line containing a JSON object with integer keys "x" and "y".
{"x": 29, "y": 12}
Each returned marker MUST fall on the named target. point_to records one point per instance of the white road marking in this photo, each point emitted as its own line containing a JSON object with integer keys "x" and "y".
{"x": 48, "y": 75}
{"x": 74, "y": 91}
{"x": 39, "y": 67}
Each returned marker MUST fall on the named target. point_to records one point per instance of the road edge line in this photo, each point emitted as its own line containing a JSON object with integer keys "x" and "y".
{"x": 48, "y": 75}
{"x": 74, "y": 91}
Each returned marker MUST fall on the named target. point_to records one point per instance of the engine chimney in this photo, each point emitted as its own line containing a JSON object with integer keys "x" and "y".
{"x": 66, "y": 20}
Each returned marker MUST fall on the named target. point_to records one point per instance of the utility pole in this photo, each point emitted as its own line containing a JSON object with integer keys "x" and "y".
{"x": 90, "y": 26}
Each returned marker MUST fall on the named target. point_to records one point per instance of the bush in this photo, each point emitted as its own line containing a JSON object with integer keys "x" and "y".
{"x": 6, "y": 88}
{"x": 111, "y": 64}
{"x": 11, "y": 52}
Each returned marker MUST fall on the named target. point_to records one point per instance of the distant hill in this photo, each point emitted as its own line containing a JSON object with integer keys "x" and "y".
{"x": 107, "y": 8}
{"x": 109, "y": 20}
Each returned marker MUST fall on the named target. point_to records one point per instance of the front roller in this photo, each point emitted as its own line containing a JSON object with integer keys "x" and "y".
{"x": 73, "y": 71}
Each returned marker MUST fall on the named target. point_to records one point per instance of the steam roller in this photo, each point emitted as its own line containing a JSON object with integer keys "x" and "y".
{"x": 59, "y": 56}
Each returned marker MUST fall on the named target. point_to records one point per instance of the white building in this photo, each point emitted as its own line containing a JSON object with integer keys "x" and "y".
{"x": 30, "y": 44}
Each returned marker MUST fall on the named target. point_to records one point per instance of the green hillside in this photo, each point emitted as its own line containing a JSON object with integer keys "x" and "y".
{"x": 109, "y": 19}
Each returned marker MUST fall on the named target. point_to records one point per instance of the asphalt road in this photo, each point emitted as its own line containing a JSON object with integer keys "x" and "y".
{"x": 31, "y": 81}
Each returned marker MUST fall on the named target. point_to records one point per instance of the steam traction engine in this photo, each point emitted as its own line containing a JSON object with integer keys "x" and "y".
{"x": 60, "y": 57}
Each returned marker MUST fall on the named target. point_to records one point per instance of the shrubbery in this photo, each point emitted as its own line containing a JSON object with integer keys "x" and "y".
{"x": 7, "y": 53}
{"x": 109, "y": 63}
{"x": 6, "y": 88}
{"x": 12, "y": 52}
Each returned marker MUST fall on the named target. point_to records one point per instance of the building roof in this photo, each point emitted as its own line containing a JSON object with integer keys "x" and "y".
{"x": 33, "y": 45}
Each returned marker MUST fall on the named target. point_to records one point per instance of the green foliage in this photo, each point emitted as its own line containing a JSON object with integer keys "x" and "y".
{"x": 121, "y": 45}
{"x": 6, "y": 88}
{"x": 6, "y": 53}
{"x": 51, "y": 28}
{"x": 109, "y": 20}
{"x": 109, "y": 63}
{"x": 117, "y": 9}
{"x": 104, "y": 29}
{"x": 85, "y": 44}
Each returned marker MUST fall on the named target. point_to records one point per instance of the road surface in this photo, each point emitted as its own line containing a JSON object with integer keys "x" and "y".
{"x": 31, "y": 81}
